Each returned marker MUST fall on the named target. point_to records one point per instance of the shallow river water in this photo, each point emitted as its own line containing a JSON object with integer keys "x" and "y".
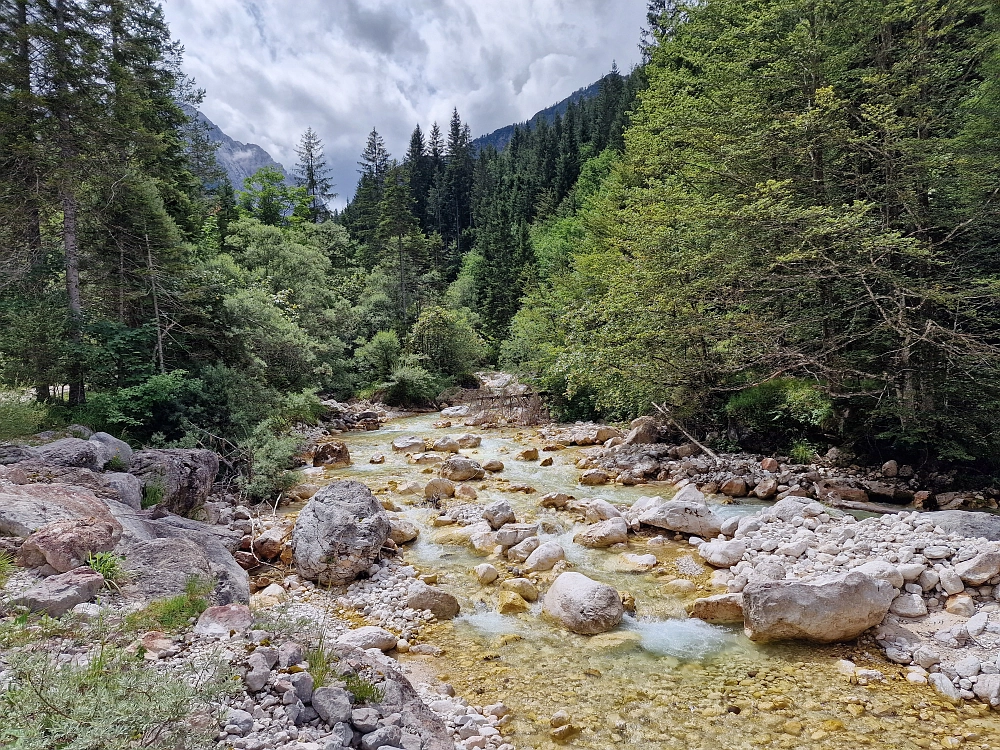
{"x": 660, "y": 680}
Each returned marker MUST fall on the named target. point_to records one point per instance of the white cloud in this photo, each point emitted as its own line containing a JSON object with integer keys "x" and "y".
{"x": 271, "y": 68}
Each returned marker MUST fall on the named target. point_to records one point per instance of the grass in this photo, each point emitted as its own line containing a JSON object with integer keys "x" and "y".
{"x": 173, "y": 614}
{"x": 320, "y": 664}
{"x": 116, "y": 464}
{"x": 803, "y": 452}
{"x": 20, "y": 416}
{"x": 363, "y": 690}
{"x": 7, "y": 568}
{"x": 153, "y": 492}
{"x": 109, "y": 565}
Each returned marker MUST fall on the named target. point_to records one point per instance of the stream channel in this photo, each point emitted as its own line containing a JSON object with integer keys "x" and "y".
{"x": 660, "y": 680}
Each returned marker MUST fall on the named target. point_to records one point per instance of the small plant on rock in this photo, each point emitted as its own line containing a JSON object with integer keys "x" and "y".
{"x": 173, "y": 614}
{"x": 109, "y": 565}
{"x": 116, "y": 464}
{"x": 803, "y": 452}
{"x": 7, "y": 568}
{"x": 363, "y": 689}
{"x": 153, "y": 492}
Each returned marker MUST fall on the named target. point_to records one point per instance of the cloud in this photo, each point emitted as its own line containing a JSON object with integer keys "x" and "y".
{"x": 271, "y": 68}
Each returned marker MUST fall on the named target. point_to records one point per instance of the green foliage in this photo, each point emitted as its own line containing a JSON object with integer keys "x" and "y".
{"x": 269, "y": 461}
{"x": 109, "y": 565}
{"x": 363, "y": 689}
{"x": 378, "y": 358}
{"x": 19, "y": 416}
{"x": 116, "y": 702}
{"x": 175, "y": 613}
{"x": 266, "y": 198}
{"x": 157, "y": 404}
{"x": 116, "y": 463}
{"x": 320, "y": 660}
{"x": 786, "y": 403}
{"x": 803, "y": 452}
{"x": 153, "y": 491}
{"x": 7, "y": 568}
{"x": 410, "y": 384}
{"x": 448, "y": 341}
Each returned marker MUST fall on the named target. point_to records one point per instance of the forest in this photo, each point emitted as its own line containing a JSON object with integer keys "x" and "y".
{"x": 781, "y": 228}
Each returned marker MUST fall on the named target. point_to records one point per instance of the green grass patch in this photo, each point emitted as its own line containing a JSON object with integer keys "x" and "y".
{"x": 116, "y": 464}
{"x": 20, "y": 416}
{"x": 109, "y": 565}
{"x": 153, "y": 492}
{"x": 7, "y": 567}
{"x": 363, "y": 689}
{"x": 173, "y": 614}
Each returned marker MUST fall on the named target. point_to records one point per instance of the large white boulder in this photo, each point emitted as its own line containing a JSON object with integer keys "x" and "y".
{"x": 723, "y": 554}
{"x": 687, "y": 513}
{"x": 544, "y": 557}
{"x": 837, "y": 609}
{"x": 583, "y": 605}
{"x": 603, "y": 534}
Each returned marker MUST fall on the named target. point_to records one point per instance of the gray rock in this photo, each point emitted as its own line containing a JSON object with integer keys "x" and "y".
{"x": 603, "y": 534}
{"x": 369, "y": 636}
{"x": 544, "y": 557}
{"x": 382, "y": 737}
{"x": 365, "y": 720}
{"x": 979, "y": 569}
{"x": 411, "y": 444}
{"x": 823, "y": 611}
{"x": 443, "y": 605}
{"x": 12, "y": 454}
{"x": 224, "y": 620}
{"x": 342, "y": 734}
{"x": 333, "y": 704}
{"x": 73, "y": 452}
{"x": 27, "y": 508}
{"x": 943, "y": 686}
{"x": 161, "y": 568}
{"x": 966, "y": 523}
{"x": 123, "y": 488}
{"x": 583, "y": 605}
{"x": 65, "y": 545}
{"x": 58, "y": 594}
{"x": 111, "y": 447}
{"x": 522, "y": 550}
{"x": 722, "y": 554}
{"x": 258, "y": 674}
{"x": 908, "y": 605}
{"x": 339, "y": 533}
{"x": 290, "y": 653}
{"x": 499, "y": 513}
{"x": 185, "y": 475}
{"x": 241, "y": 720}
{"x": 512, "y": 534}
{"x": 987, "y": 689}
{"x": 303, "y": 683}
{"x": 685, "y": 513}
{"x": 882, "y": 570}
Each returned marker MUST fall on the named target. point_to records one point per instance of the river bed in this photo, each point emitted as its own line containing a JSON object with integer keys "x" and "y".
{"x": 660, "y": 680}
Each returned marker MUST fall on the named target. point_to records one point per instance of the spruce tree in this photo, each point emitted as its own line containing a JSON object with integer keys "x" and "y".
{"x": 311, "y": 173}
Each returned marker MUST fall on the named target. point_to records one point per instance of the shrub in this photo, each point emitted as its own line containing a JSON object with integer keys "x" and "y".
{"x": 153, "y": 492}
{"x": 448, "y": 341}
{"x": 803, "y": 452}
{"x": 7, "y": 568}
{"x": 173, "y": 614}
{"x": 268, "y": 463}
{"x": 411, "y": 384}
{"x": 377, "y": 359}
{"x": 115, "y": 463}
{"x": 116, "y": 702}
{"x": 20, "y": 416}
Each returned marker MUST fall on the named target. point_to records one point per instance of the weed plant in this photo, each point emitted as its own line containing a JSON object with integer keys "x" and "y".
{"x": 173, "y": 614}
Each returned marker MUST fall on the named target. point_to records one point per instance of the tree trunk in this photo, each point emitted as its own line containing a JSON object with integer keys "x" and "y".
{"x": 156, "y": 306}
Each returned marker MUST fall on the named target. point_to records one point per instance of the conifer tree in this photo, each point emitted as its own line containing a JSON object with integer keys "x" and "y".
{"x": 312, "y": 173}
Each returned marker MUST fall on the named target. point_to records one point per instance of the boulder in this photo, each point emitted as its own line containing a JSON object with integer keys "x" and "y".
{"x": 838, "y": 609}
{"x": 979, "y": 569}
{"x": 441, "y": 604}
{"x": 438, "y": 488}
{"x": 118, "y": 486}
{"x": 499, "y": 513}
{"x": 339, "y": 533}
{"x": 766, "y": 488}
{"x": 462, "y": 410}
{"x": 686, "y": 513}
{"x": 522, "y": 587}
{"x": 882, "y": 570}
{"x": 111, "y": 447}
{"x": 722, "y": 609}
{"x": 369, "y": 636}
{"x": 723, "y": 554}
{"x": 603, "y": 534}
{"x": 332, "y": 455}
{"x": 594, "y": 477}
{"x": 596, "y": 510}
{"x": 58, "y": 594}
{"x": 460, "y": 469}
{"x": 544, "y": 557}
{"x": 269, "y": 544}
{"x": 512, "y": 534}
{"x": 966, "y": 523}
{"x": 333, "y": 704}
{"x": 493, "y": 466}
{"x": 643, "y": 432}
{"x": 161, "y": 568}
{"x": 12, "y": 454}
{"x": 908, "y": 605}
{"x": 583, "y": 605}
{"x": 411, "y": 444}
{"x": 770, "y": 464}
{"x": 486, "y": 573}
{"x": 65, "y": 545}
{"x": 558, "y": 500}
{"x": 521, "y": 551}
{"x": 528, "y": 454}
{"x": 468, "y": 440}
{"x": 446, "y": 444}
{"x": 466, "y": 492}
{"x": 511, "y": 603}
{"x": 185, "y": 475}
{"x": 987, "y": 689}
{"x": 224, "y": 621}
{"x": 74, "y": 452}
{"x": 402, "y": 531}
{"x": 26, "y": 508}
{"x": 734, "y": 487}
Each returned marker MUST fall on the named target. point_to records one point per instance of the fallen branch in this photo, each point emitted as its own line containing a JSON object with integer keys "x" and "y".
{"x": 687, "y": 434}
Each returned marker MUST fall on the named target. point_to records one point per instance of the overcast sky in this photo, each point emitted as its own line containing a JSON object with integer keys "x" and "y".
{"x": 271, "y": 68}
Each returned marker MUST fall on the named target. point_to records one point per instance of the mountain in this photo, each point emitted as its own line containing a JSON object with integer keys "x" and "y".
{"x": 500, "y": 138}
{"x": 239, "y": 160}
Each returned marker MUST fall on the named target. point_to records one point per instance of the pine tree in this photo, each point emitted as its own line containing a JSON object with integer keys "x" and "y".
{"x": 311, "y": 173}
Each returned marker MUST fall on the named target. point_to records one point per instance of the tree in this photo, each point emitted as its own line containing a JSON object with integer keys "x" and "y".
{"x": 311, "y": 173}
{"x": 397, "y": 223}
{"x": 267, "y": 198}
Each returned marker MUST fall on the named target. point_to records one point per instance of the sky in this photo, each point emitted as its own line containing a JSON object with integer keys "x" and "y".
{"x": 272, "y": 68}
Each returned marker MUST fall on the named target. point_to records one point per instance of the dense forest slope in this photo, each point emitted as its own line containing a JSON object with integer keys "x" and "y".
{"x": 782, "y": 229}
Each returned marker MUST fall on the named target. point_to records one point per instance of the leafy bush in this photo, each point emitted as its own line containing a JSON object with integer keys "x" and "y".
{"x": 268, "y": 462}
{"x": 173, "y": 614}
{"x": 153, "y": 492}
{"x": 302, "y": 407}
{"x": 803, "y": 452}
{"x": 378, "y": 358}
{"x": 116, "y": 702}
{"x": 411, "y": 384}
{"x": 448, "y": 341}
{"x": 786, "y": 405}
{"x": 20, "y": 416}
